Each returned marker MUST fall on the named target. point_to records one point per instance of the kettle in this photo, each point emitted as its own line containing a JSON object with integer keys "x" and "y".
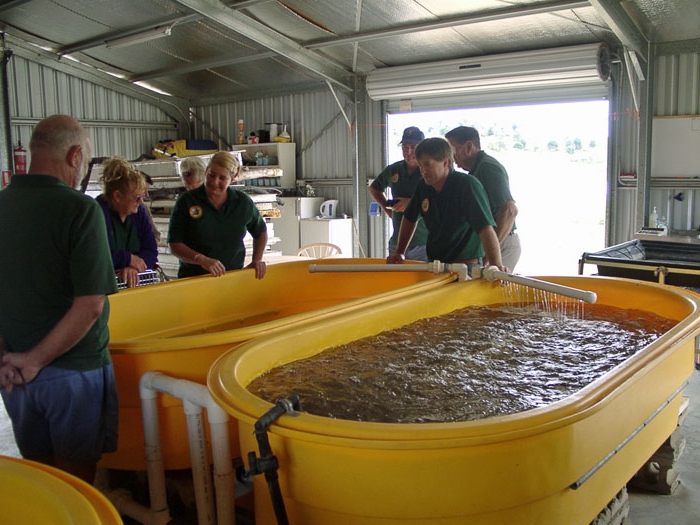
{"x": 329, "y": 209}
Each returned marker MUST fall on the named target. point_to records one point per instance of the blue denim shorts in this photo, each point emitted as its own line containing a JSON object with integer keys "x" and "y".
{"x": 68, "y": 415}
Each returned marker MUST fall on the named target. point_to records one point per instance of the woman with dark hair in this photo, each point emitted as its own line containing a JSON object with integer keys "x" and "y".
{"x": 131, "y": 237}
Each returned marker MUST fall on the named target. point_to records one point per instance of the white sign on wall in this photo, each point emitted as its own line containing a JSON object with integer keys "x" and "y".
{"x": 675, "y": 147}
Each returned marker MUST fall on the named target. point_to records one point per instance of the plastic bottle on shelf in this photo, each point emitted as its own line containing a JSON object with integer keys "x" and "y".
{"x": 241, "y": 133}
{"x": 662, "y": 224}
{"x": 653, "y": 218}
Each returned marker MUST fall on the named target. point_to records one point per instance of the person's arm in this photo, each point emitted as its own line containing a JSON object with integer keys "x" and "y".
{"x": 259, "y": 244}
{"x": 188, "y": 255}
{"x": 487, "y": 234}
{"x": 378, "y": 195}
{"x": 147, "y": 238}
{"x": 69, "y": 330}
{"x": 406, "y": 232}
{"x": 506, "y": 219}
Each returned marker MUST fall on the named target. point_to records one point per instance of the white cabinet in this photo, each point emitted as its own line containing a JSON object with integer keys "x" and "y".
{"x": 334, "y": 231}
{"x": 293, "y": 210}
{"x": 284, "y": 152}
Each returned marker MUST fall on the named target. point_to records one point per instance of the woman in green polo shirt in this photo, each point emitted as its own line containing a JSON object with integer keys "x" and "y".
{"x": 208, "y": 224}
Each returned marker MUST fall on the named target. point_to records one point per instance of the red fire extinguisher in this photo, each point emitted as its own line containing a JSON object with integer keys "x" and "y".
{"x": 20, "y": 155}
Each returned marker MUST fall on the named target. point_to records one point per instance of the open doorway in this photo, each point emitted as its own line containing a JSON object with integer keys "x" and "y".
{"x": 556, "y": 156}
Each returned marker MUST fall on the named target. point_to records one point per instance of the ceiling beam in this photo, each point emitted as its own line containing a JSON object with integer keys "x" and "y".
{"x": 498, "y": 14}
{"x": 615, "y": 16}
{"x": 280, "y": 44}
{"x": 100, "y": 40}
{"x": 198, "y": 66}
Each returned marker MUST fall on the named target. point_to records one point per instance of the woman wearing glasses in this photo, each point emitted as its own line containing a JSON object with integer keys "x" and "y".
{"x": 131, "y": 237}
{"x": 192, "y": 170}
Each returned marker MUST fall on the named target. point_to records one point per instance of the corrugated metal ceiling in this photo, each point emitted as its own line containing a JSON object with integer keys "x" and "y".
{"x": 252, "y": 48}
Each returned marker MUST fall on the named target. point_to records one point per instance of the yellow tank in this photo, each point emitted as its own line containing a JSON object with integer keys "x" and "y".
{"x": 36, "y": 493}
{"x": 179, "y": 328}
{"x": 560, "y": 464}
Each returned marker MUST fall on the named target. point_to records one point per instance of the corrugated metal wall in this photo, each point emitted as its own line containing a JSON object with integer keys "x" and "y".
{"x": 325, "y": 142}
{"x": 676, "y": 93}
{"x": 117, "y": 124}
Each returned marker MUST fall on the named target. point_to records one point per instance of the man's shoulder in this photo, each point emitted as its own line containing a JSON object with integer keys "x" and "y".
{"x": 395, "y": 167}
{"x": 491, "y": 161}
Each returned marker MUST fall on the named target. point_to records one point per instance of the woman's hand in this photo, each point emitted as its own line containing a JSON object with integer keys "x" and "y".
{"x": 213, "y": 266}
{"x": 130, "y": 276}
{"x": 137, "y": 263}
{"x": 260, "y": 268}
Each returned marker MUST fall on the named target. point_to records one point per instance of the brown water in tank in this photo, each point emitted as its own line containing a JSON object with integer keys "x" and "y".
{"x": 470, "y": 364}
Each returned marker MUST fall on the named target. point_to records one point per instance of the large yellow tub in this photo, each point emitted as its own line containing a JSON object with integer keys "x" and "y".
{"x": 560, "y": 464}
{"x": 35, "y": 493}
{"x": 179, "y": 328}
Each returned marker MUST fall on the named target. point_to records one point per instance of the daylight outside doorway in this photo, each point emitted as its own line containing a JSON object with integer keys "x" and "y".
{"x": 556, "y": 156}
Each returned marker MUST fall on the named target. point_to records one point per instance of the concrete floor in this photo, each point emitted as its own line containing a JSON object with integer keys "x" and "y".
{"x": 680, "y": 508}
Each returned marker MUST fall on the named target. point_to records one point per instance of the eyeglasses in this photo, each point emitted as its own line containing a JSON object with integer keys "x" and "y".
{"x": 139, "y": 198}
{"x": 186, "y": 173}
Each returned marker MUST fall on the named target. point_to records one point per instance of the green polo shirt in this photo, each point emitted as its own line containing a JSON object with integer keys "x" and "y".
{"x": 54, "y": 248}
{"x": 454, "y": 217}
{"x": 402, "y": 184}
{"x": 215, "y": 233}
{"x": 494, "y": 178}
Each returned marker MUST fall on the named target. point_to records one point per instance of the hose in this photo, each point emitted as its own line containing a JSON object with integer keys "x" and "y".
{"x": 267, "y": 462}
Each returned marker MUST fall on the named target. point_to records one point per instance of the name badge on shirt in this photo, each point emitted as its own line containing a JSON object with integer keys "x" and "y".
{"x": 196, "y": 212}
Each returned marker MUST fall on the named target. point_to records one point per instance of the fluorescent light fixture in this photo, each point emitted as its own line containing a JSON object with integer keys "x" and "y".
{"x": 138, "y": 38}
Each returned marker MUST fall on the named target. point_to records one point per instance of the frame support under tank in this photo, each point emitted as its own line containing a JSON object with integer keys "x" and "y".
{"x": 577, "y": 484}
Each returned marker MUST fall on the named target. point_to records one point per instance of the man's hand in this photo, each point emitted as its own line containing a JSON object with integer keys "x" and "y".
{"x": 17, "y": 369}
{"x": 396, "y": 258}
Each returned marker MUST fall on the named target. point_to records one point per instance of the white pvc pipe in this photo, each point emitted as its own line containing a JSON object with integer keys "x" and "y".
{"x": 152, "y": 447}
{"x": 124, "y": 502}
{"x": 435, "y": 267}
{"x": 195, "y": 397}
{"x": 201, "y": 474}
{"x": 492, "y": 273}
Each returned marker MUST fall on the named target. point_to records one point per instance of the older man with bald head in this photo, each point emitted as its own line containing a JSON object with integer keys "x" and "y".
{"x": 55, "y": 274}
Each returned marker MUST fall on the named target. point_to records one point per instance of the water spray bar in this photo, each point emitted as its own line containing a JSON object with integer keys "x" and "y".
{"x": 435, "y": 267}
{"x": 490, "y": 274}
{"x": 494, "y": 274}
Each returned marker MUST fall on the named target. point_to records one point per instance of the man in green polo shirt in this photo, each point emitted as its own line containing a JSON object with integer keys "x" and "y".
{"x": 455, "y": 209}
{"x": 402, "y": 178}
{"x": 55, "y": 274}
{"x": 469, "y": 156}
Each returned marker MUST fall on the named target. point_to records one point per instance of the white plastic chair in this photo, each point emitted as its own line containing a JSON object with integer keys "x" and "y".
{"x": 319, "y": 250}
